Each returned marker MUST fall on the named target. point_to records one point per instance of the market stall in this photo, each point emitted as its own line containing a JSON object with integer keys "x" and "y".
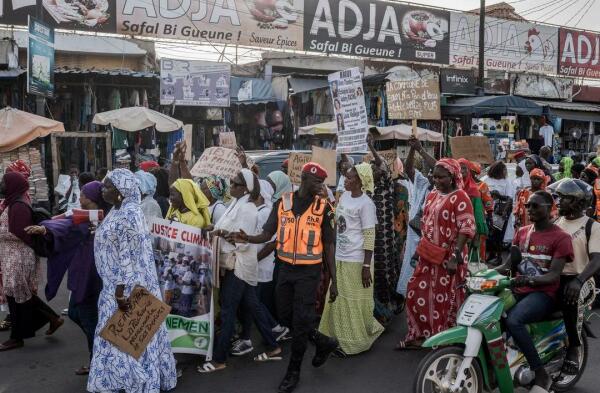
{"x": 504, "y": 119}
{"x": 20, "y": 134}
{"x": 142, "y": 119}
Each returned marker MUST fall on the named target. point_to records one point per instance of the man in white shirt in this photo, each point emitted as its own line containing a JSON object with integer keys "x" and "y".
{"x": 574, "y": 197}
{"x": 547, "y": 132}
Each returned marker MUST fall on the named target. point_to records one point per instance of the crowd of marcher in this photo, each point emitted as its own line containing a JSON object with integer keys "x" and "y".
{"x": 297, "y": 261}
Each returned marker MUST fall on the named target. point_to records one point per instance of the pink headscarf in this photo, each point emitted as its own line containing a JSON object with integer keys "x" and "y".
{"x": 452, "y": 166}
{"x": 470, "y": 186}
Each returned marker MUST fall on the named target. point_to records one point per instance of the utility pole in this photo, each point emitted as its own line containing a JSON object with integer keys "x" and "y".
{"x": 481, "y": 46}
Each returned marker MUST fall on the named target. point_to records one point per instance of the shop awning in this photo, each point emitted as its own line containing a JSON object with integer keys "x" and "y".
{"x": 300, "y": 85}
{"x": 329, "y": 128}
{"x": 13, "y": 73}
{"x": 404, "y": 131}
{"x": 492, "y": 105}
{"x": 572, "y": 110}
{"x": 137, "y": 118}
{"x": 17, "y": 128}
{"x": 247, "y": 91}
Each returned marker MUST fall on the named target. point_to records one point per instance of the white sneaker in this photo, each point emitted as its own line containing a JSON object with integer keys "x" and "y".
{"x": 241, "y": 347}
{"x": 281, "y": 333}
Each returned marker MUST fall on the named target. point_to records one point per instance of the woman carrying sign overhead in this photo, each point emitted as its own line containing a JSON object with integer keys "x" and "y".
{"x": 124, "y": 259}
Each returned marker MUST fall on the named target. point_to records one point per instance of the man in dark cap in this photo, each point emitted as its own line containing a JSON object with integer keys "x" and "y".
{"x": 304, "y": 224}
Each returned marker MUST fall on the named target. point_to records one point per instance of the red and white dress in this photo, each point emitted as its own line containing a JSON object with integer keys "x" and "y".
{"x": 433, "y": 298}
{"x": 18, "y": 264}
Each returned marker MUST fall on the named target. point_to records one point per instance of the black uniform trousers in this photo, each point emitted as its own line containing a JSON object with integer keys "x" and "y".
{"x": 296, "y": 297}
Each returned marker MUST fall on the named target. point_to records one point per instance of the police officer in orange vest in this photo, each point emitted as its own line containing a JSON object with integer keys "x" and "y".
{"x": 304, "y": 224}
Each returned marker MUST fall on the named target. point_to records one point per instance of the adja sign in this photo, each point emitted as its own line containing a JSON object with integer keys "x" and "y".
{"x": 579, "y": 54}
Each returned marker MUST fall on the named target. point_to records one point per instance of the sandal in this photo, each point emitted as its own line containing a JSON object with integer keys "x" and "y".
{"x": 408, "y": 346}
{"x": 84, "y": 370}
{"x": 11, "y": 344}
{"x": 208, "y": 368}
{"x": 268, "y": 357}
{"x": 54, "y": 325}
{"x": 5, "y": 325}
{"x": 570, "y": 367}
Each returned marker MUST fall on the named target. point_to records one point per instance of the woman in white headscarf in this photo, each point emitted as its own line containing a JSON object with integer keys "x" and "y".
{"x": 149, "y": 205}
{"x": 124, "y": 260}
{"x": 240, "y": 262}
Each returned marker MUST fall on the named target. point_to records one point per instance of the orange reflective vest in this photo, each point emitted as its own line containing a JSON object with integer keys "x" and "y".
{"x": 597, "y": 195}
{"x": 299, "y": 237}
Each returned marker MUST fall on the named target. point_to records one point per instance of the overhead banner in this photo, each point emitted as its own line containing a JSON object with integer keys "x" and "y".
{"x": 542, "y": 86}
{"x": 457, "y": 82}
{"x": 509, "y": 45}
{"x": 376, "y": 29}
{"x": 414, "y": 99}
{"x": 93, "y": 15}
{"x": 349, "y": 110}
{"x": 186, "y": 273}
{"x": 194, "y": 83}
{"x": 579, "y": 54}
{"x": 40, "y": 59}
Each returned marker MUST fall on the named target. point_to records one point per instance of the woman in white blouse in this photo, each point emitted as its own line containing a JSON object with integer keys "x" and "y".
{"x": 241, "y": 272}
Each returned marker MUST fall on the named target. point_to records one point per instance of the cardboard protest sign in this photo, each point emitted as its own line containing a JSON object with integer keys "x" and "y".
{"x": 296, "y": 162}
{"x": 186, "y": 271}
{"x": 413, "y": 99}
{"x": 132, "y": 331}
{"x": 389, "y": 156}
{"x": 327, "y": 159}
{"x": 218, "y": 161}
{"x": 227, "y": 139}
{"x": 473, "y": 148}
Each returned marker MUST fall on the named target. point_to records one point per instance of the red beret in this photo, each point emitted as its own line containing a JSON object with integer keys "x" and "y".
{"x": 520, "y": 154}
{"x": 285, "y": 162}
{"x": 312, "y": 168}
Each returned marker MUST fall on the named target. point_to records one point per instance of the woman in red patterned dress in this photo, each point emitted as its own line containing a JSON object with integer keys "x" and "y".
{"x": 433, "y": 293}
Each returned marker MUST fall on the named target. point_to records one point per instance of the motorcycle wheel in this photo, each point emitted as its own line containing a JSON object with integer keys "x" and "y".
{"x": 567, "y": 382}
{"x": 437, "y": 372}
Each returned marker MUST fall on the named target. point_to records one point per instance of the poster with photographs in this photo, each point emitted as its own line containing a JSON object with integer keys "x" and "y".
{"x": 194, "y": 83}
{"x": 349, "y": 109}
{"x": 184, "y": 264}
{"x": 40, "y": 59}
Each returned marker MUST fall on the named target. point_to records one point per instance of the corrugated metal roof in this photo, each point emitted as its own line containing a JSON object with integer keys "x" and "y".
{"x": 83, "y": 43}
{"x": 569, "y": 106}
{"x": 111, "y": 72}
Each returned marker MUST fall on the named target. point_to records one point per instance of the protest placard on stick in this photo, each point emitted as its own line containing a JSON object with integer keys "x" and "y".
{"x": 473, "y": 148}
{"x": 219, "y": 161}
{"x": 296, "y": 162}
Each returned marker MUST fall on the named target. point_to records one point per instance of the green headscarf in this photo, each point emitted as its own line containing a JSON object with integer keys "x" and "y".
{"x": 567, "y": 164}
{"x": 282, "y": 184}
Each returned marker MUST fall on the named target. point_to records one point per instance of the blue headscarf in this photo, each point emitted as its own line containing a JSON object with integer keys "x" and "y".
{"x": 127, "y": 184}
{"x": 282, "y": 184}
{"x": 147, "y": 182}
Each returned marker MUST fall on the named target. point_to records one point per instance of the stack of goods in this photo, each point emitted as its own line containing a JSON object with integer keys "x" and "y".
{"x": 38, "y": 184}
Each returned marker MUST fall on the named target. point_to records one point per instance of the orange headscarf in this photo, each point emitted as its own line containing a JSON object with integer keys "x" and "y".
{"x": 470, "y": 186}
{"x": 537, "y": 172}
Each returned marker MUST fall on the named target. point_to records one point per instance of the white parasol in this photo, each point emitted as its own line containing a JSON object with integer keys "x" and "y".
{"x": 137, "y": 118}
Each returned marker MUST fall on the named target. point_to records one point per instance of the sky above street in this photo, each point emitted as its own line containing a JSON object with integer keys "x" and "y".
{"x": 582, "y": 14}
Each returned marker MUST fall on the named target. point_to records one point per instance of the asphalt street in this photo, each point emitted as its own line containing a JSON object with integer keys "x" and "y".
{"x": 47, "y": 364}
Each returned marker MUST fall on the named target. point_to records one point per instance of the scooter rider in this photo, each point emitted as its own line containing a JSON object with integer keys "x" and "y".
{"x": 545, "y": 248}
{"x": 574, "y": 198}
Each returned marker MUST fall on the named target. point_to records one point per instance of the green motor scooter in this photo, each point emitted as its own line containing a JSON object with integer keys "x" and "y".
{"x": 476, "y": 356}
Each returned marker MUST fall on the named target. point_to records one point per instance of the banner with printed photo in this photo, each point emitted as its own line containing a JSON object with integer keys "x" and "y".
{"x": 90, "y": 15}
{"x": 509, "y": 45}
{"x": 40, "y": 59}
{"x": 377, "y": 29}
{"x": 349, "y": 110}
{"x": 194, "y": 83}
{"x": 271, "y": 24}
{"x": 186, "y": 273}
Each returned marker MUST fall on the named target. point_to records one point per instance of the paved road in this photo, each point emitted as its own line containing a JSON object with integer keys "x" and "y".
{"x": 46, "y": 364}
